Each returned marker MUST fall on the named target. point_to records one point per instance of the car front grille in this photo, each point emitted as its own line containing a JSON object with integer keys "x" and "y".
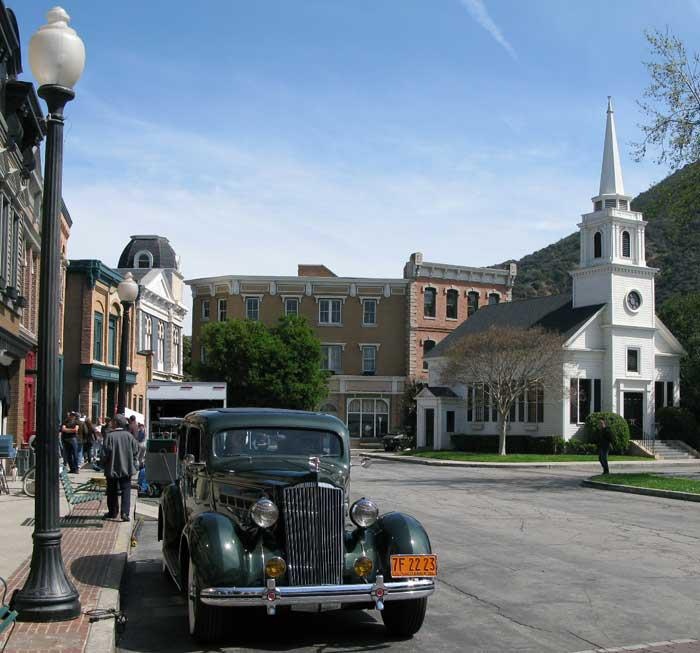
{"x": 314, "y": 524}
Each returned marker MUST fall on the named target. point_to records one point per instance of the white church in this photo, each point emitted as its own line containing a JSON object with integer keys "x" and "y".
{"x": 619, "y": 356}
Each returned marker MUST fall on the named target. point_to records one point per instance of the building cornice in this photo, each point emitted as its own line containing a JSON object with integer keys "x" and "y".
{"x": 638, "y": 270}
{"x": 95, "y": 271}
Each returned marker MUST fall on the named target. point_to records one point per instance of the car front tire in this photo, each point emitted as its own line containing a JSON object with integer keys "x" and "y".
{"x": 404, "y": 618}
{"x": 205, "y": 621}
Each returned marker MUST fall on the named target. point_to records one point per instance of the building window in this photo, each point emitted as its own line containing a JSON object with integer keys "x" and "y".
{"x": 112, "y": 340}
{"x": 143, "y": 259}
{"x": 252, "y": 308}
{"x": 205, "y": 309}
{"x": 450, "y": 421}
{"x": 580, "y": 399}
{"x": 141, "y": 404}
{"x": 330, "y": 311}
{"x": 669, "y": 393}
{"x": 598, "y": 245}
{"x": 148, "y": 345}
{"x": 96, "y": 402}
{"x": 472, "y": 302}
{"x": 429, "y": 296}
{"x": 369, "y": 359}
{"x": 427, "y": 346}
{"x": 161, "y": 344}
{"x": 663, "y": 394}
{"x": 633, "y": 360}
{"x": 368, "y": 418}
{"x": 291, "y": 306}
{"x": 331, "y": 358}
{"x": 452, "y": 304}
{"x": 97, "y": 331}
{"x": 494, "y": 298}
{"x": 521, "y": 407}
{"x": 626, "y": 244}
{"x": 369, "y": 312}
{"x": 176, "y": 350}
{"x": 221, "y": 310}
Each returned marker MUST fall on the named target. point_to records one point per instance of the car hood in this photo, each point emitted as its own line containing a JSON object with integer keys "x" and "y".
{"x": 283, "y": 470}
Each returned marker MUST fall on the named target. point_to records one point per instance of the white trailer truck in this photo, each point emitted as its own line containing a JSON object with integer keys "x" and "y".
{"x": 166, "y": 400}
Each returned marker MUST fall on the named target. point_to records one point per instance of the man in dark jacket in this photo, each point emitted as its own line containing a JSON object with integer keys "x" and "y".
{"x": 69, "y": 440}
{"x": 604, "y": 442}
{"x": 119, "y": 454}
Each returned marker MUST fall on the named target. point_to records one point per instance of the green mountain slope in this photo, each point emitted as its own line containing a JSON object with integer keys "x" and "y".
{"x": 672, "y": 209}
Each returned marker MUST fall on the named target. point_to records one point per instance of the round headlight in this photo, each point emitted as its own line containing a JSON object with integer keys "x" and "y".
{"x": 264, "y": 513}
{"x": 364, "y": 513}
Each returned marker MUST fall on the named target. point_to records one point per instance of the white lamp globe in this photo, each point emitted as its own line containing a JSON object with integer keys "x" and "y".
{"x": 56, "y": 52}
{"x": 128, "y": 289}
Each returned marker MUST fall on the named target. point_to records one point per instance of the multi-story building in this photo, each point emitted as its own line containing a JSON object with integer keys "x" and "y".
{"x": 21, "y": 188}
{"x": 160, "y": 311}
{"x": 373, "y": 331}
{"x": 93, "y": 322}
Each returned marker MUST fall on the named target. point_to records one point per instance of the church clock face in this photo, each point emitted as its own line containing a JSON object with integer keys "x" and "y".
{"x": 634, "y": 300}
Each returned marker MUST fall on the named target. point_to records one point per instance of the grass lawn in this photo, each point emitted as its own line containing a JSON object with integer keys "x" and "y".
{"x": 515, "y": 457}
{"x": 653, "y": 481}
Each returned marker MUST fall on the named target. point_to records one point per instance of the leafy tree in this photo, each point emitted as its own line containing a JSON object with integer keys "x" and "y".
{"x": 276, "y": 367}
{"x": 187, "y": 358}
{"x": 681, "y": 314}
{"x": 671, "y": 102}
{"x": 409, "y": 406}
{"x": 508, "y": 362}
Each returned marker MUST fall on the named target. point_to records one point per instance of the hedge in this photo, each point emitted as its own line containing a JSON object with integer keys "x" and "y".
{"x": 618, "y": 425}
{"x": 514, "y": 443}
{"x": 678, "y": 424}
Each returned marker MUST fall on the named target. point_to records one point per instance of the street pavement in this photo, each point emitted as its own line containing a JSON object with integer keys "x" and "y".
{"x": 530, "y": 561}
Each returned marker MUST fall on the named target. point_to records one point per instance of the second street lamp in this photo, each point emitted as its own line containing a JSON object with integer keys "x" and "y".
{"x": 128, "y": 291}
{"x": 57, "y": 58}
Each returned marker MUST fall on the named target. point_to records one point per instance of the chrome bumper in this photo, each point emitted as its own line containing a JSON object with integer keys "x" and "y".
{"x": 272, "y": 595}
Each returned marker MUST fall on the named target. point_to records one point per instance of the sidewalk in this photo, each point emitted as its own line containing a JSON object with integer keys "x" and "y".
{"x": 417, "y": 460}
{"x": 94, "y": 554}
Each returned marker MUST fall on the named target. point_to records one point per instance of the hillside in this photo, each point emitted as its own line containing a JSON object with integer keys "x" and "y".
{"x": 672, "y": 209}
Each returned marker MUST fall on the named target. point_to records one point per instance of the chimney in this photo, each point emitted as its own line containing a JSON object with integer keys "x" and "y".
{"x": 313, "y": 270}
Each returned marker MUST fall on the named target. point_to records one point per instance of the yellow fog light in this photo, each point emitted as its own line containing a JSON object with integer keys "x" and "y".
{"x": 363, "y": 566}
{"x": 275, "y": 567}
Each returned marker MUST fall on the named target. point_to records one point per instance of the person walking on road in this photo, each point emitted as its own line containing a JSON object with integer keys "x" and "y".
{"x": 604, "y": 442}
{"x": 119, "y": 455}
{"x": 69, "y": 440}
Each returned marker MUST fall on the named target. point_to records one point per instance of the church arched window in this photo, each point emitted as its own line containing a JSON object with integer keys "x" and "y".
{"x": 143, "y": 259}
{"x": 626, "y": 244}
{"x": 598, "y": 245}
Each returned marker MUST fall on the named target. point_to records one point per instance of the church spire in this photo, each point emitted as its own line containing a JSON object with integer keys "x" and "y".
{"x": 611, "y": 172}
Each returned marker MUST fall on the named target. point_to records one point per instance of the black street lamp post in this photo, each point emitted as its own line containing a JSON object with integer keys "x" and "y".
{"x": 57, "y": 57}
{"x": 128, "y": 291}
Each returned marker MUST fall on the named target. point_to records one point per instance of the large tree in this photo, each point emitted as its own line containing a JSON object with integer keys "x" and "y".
{"x": 276, "y": 367}
{"x": 507, "y": 362}
{"x": 681, "y": 314}
{"x": 671, "y": 102}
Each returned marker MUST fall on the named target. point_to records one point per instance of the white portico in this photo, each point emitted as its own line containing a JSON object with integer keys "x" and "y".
{"x": 619, "y": 356}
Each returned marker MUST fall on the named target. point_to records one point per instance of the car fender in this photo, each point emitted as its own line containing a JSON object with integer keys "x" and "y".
{"x": 399, "y": 533}
{"x": 217, "y": 551}
{"x": 171, "y": 516}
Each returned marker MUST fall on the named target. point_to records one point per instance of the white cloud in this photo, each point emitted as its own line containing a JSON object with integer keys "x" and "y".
{"x": 480, "y": 14}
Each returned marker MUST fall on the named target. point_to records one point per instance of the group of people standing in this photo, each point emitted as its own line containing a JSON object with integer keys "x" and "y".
{"x": 116, "y": 446}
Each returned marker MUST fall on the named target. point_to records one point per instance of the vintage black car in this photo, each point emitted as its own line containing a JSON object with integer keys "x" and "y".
{"x": 258, "y": 517}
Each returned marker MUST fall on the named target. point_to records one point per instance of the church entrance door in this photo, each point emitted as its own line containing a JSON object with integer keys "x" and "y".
{"x": 429, "y": 428}
{"x": 634, "y": 413}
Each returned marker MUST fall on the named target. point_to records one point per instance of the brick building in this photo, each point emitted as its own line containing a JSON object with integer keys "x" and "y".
{"x": 373, "y": 331}
{"x": 21, "y": 188}
{"x": 93, "y": 322}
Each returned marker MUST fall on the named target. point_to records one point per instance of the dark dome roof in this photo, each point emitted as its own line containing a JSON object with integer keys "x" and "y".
{"x": 162, "y": 254}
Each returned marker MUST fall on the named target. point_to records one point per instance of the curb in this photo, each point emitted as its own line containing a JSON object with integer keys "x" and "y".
{"x": 102, "y": 636}
{"x": 415, "y": 460}
{"x": 650, "y": 492}
{"x": 641, "y": 647}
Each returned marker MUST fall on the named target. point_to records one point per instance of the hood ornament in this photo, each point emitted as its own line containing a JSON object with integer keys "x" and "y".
{"x": 314, "y": 464}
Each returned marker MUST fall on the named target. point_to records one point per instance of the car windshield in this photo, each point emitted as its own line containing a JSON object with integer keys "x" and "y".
{"x": 277, "y": 442}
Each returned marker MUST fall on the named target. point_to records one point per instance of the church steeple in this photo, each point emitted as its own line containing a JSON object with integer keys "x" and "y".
{"x": 611, "y": 172}
{"x": 612, "y": 189}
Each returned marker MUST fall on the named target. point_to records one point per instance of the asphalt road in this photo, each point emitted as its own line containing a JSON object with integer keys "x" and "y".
{"x": 529, "y": 561}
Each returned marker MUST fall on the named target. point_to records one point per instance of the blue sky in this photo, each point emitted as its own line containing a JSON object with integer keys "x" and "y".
{"x": 259, "y": 134}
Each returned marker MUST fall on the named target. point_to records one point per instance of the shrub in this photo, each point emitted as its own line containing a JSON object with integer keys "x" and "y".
{"x": 678, "y": 424}
{"x": 514, "y": 443}
{"x": 581, "y": 447}
{"x": 618, "y": 425}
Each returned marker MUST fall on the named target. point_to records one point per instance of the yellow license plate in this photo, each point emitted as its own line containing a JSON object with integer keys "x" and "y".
{"x": 412, "y": 566}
